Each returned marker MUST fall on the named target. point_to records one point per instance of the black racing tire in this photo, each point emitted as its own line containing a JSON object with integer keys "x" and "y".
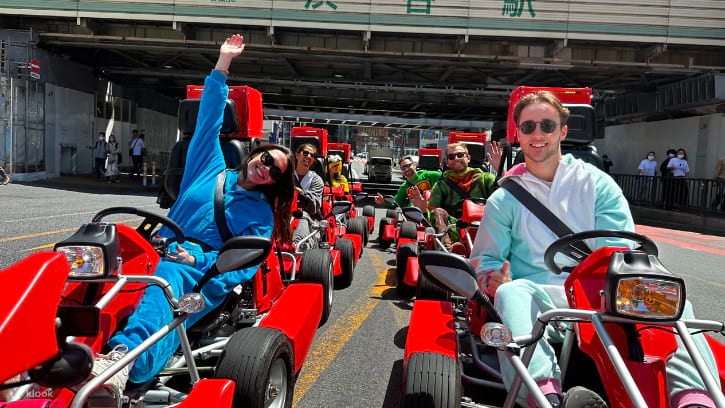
{"x": 427, "y": 290}
{"x": 382, "y": 242}
{"x": 432, "y": 380}
{"x": 391, "y": 213}
{"x": 405, "y": 251}
{"x": 316, "y": 266}
{"x": 347, "y": 262}
{"x": 368, "y": 211}
{"x": 408, "y": 229}
{"x": 259, "y": 360}
{"x": 359, "y": 225}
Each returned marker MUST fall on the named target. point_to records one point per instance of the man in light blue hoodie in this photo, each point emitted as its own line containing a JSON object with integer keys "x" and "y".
{"x": 509, "y": 250}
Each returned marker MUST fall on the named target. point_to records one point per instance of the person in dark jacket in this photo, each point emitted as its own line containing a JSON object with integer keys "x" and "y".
{"x": 667, "y": 179}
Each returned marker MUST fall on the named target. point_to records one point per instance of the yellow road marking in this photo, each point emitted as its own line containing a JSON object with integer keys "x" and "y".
{"x": 325, "y": 349}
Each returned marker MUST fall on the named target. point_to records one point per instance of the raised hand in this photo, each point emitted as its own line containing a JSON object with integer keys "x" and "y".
{"x": 416, "y": 198}
{"x": 232, "y": 48}
{"x": 494, "y": 158}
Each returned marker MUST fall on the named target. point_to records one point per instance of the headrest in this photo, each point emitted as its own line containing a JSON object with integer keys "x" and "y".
{"x": 189, "y": 110}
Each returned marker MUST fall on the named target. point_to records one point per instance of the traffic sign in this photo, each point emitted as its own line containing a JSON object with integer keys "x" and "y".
{"x": 34, "y": 68}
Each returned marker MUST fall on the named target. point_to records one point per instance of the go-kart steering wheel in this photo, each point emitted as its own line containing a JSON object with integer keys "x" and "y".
{"x": 148, "y": 224}
{"x": 567, "y": 245}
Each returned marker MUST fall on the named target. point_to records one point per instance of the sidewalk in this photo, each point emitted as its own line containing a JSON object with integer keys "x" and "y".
{"x": 89, "y": 183}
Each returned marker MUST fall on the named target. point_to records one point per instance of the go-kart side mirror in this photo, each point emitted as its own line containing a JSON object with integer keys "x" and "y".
{"x": 237, "y": 253}
{"x": 450, "y": 271}
{"x": 414, "y": 214}
{"x": 390, "y": 200}
{"x": 360, "y": 197}
{"x": 72, "y": 366}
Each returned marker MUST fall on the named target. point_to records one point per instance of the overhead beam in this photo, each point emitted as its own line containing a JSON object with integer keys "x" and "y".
{"x": 428, "y": 123}
{"x": 183, "y": 28}
{"x": 92, "y": 26}
{"x": 130, "y": 58}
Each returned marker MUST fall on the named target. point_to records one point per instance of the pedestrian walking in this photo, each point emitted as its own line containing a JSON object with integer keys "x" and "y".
{"x": 99, "y": 155}
{"x": 112, "y": 153}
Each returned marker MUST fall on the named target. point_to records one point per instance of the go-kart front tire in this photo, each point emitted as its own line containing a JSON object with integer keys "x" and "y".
{"x": 382, "y": 242}
{"x": 409, "y": 230}
{"x": 260, "y": 361}
{"x": 347, "y": 262}
{"x": 359, "y": 225}
{"x": 316, "y": 266}
{"x": 368, "y": 211}
{"x": 432, "y": 381}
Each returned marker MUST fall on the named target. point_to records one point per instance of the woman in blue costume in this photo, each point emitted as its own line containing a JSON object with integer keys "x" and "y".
{"x": 257, "y": 199}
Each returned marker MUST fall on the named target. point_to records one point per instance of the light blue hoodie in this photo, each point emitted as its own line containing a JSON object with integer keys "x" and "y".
{"x": 581, "y": 195}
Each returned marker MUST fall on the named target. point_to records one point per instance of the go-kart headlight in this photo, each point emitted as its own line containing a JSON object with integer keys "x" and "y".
{"x": 85, "y": 261}
{"x": 91, "y": 251}
{"x": 640, "y": 287}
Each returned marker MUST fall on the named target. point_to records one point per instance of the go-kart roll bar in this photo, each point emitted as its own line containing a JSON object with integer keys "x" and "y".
{"x": 598, "y": 319}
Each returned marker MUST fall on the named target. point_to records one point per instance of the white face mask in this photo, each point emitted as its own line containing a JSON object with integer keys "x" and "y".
{"x": 680, "y": 156}
{"x": 671, "y": 155}
{"x": 101, "y": 137}
{"x": 650, "y": 157}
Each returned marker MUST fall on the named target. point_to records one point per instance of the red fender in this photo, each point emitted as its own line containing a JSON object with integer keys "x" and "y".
{"x": 357, "y": 244}
{"x": 297, "y": 313}
{"x": 431, "y": 329}
{"x": 389, "y": 232}
{"x": 371, "y": 224}
{"x": 336, "y": 262}
{"x": 32, "y": 289}
{"x": 411, "y": 273}
{"x": 213, "y": 393}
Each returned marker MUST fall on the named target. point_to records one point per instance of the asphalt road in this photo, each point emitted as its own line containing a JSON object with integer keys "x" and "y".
{"x": 356, "y": 359}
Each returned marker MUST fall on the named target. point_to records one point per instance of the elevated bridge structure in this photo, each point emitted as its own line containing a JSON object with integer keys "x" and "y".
{"x": 444, "y": 63}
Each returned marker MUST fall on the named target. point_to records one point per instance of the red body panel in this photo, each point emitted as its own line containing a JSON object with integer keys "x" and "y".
{"x": 31, "y": 294}
{"x": 467, "y": 137}
{"x": 297, "y": 313}
{"x": 583, "y": 287}
{"x": 565, "y": 95}
{"x": 357, "y": 244}
{"x": 431, "y": 329}
{"x": 268, "y": 285}
{"x": 214, "y": 393}
{"x": 389, "y": 232}
{"x": 411, "y": 273}
{"x": 248, "y": 104}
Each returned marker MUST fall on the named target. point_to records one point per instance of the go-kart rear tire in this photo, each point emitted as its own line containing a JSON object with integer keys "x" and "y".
{"x": 382, "y": 242}
{"x": 359, "y": 225}
{"x": 391, "y": 213}
{"x": 368, "y": 211}
{"x": 408, "y": 229}
{"x": 432, "y": 381}
{"x": 316, "y": 266}
{"x": 347, "y": 262}
{"x": 427, "y": 290}
{"x": 258, "y": 358}
{"x": 405, "y": 251}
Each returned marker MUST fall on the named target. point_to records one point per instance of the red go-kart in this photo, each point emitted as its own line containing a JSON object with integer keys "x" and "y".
{"x": 250, "y": 349}
{"x": 624, "y": 308}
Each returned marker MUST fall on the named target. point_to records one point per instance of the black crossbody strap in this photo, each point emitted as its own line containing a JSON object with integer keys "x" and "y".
{"x": 219, "y": 215}
{"x": 555, "y": 224}
{"x": 461, "y": 192}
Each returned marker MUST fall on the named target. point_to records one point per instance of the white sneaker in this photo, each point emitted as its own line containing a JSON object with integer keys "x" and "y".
{"x": 116, "y": 384}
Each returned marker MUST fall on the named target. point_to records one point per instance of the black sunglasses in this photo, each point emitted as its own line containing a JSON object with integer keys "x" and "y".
{"x": 274, "y": 172}
{"x": 457, "y": 155}
{"x": 306, "y": 153}
{"x": 547, "y": 126}
{"x": 406, "y": 166}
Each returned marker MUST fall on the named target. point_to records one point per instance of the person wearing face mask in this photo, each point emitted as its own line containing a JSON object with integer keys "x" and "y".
{"x": 257, "y": 197}
{"x": 647, "y": 169}
{"x": 667, "y": 179}
{"x": 679, "y": 168}
{"x": 456, "y": 184}
{"x": 112, "y": 173}
{"x": 309, "y": 187}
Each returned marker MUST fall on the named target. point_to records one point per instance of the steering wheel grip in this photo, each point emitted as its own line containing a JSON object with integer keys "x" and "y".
{"x": 567, "y": 245}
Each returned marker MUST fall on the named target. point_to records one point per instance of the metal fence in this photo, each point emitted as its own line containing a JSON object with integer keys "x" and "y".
{"x": 700, "y": 196}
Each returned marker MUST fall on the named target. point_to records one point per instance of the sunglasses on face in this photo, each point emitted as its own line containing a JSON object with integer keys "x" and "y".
{"x": 306, "y": 153}
{"x": 529, "y": 126}
{"x": 457, "y": 155}
{"x": 274, "y": 172}
{"x": 406, "y": 166}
